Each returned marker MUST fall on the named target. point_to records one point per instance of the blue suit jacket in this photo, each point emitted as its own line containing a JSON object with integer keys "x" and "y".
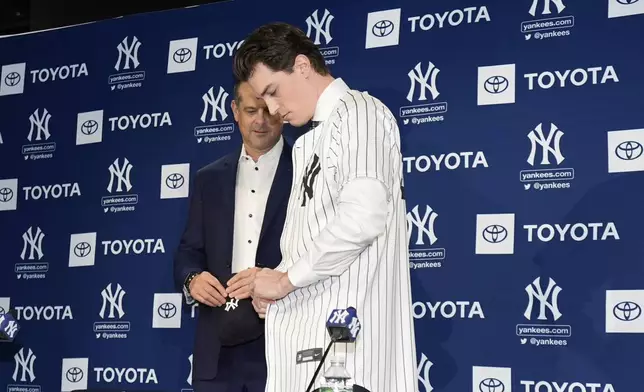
{"x": 207, "y": 241}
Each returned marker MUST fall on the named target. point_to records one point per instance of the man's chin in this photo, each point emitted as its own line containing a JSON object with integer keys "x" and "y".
{"x": 297, "y": 124}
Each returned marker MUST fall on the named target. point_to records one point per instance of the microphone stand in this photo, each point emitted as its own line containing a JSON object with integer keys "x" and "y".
{"x": 317, "y": 371}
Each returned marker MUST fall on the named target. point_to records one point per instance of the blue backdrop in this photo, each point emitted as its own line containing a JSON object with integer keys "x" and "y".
{"x": 522, "y": 131}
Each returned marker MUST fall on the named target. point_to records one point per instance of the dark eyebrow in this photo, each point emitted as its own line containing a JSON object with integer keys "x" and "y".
{"x": 265, "y": 89}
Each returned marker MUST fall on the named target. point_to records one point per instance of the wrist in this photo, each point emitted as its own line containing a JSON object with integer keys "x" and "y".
{"x": 285, "y": 284}
{"x": 189, "y": 280}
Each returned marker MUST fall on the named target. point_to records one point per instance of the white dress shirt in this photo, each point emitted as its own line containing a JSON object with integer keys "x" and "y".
{"x": 254, "y": 181}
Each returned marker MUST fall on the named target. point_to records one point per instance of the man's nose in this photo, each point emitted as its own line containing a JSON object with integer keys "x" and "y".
{"x": 260, "y": 118}
{"x": 272, "y": 106}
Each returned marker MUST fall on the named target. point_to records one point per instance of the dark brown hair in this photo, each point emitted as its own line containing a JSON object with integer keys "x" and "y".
{"x": 276, "y": 45}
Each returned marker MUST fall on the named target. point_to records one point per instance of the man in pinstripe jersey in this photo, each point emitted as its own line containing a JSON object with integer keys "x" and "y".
{"x": 345, "y": 240}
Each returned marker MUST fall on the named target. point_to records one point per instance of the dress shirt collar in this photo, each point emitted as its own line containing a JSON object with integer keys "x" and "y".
{"x": 271, "y": 155}
{"x": 329, "y": 98}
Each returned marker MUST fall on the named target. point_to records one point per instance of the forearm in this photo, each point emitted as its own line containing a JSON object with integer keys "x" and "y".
{"x": 360, "y": 218}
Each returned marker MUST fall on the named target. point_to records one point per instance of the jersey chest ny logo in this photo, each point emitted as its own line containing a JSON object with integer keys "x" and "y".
{"x": 309, "y": 179}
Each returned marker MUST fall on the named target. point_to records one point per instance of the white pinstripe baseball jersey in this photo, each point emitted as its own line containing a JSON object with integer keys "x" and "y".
{"x": 345, "y": 244}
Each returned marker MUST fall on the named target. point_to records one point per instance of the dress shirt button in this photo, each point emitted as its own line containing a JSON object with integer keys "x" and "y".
{"x": 250, "y": 242}
{"x": 250, "y": 215}
{"x": 252, "y": 191}
{"x": 256, "y": 168}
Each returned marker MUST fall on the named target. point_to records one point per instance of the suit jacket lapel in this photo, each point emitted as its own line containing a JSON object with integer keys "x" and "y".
{"x": 227, "y": 218}
{"x": 280, "y": 189}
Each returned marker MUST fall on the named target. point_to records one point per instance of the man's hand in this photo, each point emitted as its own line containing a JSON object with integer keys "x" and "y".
{"x": 206, "y": 289}
{"x": 260, "y": 306}
{"x": 239, "y": 286}
{"x": 271, "y": 284}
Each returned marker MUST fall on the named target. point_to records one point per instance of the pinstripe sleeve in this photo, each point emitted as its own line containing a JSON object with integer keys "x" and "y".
{"x": 359, "y": 151}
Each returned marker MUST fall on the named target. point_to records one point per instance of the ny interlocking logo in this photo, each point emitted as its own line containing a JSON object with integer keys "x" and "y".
{"x": 320, "y": 28}
{"x": 424, "y": 226}
{"x": 548, "y": 299}
{"x": 550, "y": 144}
{"x": 339, "y": 316}
{"x": 217, "y": 129}
{"x": 120, "y": 173}
{"x": 426, "y": 80}
{"x": 128, "y": 54}
{"x": 550, "y": 23}
{"x": 214, "y": 105}
{"x": 121, "y": 183}
{"x": 24, "y": 368}
{"x": 422, "y": 254}
{"x": 308, "y": 180}
{"x": 32, "y": 241}
{"x": 39, "y": 125}
{"x": 231, "y": 304}
{"x": 424, "y": 366}
{"x": 39, "y": 133}
{"x": 113, "y": 310}
{"x": 422, "y": 87}
{"x": 549, "y": 147}
{"x": 32, "y": 253}
{"x": 547, "y": 312}
{"x": 12, "y": 79}
{"x": 112, "y": 300}
{"x": 546, "y": 9}
{"x": 127, "y": 65}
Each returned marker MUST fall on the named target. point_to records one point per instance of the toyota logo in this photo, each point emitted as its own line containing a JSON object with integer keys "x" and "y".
{"x": 175, "y": 181}
{"x": 629, "y": 150}
{"x": 12, "y": 79}
{"x": 82, "y": 249}
{"x": 491, "y": 384}
{"x": 74, "y": 374}
{"x": 382, "y": 28}
{"x": 182, "y": 55}
{"x": 495, "y": 234}
{"x": 627, "y": 311}
{"x": 6, "y": 194}
{"x": 496, "y": 84}
{"x": 89, "y": 127}
{"x": 167, "y": 310}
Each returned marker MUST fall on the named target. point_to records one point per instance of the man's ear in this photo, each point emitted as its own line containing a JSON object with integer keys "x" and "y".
{"x": 303, "y": 65}
{"x": 235, "y": 108}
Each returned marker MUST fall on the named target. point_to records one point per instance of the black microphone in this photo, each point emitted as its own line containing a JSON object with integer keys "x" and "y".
{"x": 8, "y": 326}
{"x": 343, "y": 326}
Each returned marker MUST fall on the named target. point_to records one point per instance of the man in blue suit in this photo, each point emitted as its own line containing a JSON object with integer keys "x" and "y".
{"x": 236, "y": 214}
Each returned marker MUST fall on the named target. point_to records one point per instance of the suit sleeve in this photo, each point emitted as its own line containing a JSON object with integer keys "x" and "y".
{"x": 190, "y": 254}
{"x": 363, "y": 153}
